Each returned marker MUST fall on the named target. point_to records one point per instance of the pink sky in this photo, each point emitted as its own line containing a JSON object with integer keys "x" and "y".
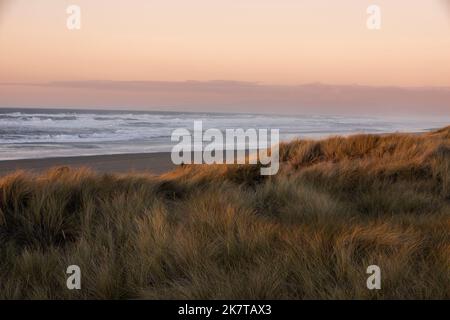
{"x": 277, "y": 44}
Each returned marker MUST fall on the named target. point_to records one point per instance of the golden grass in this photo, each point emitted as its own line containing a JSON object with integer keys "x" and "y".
{"x": 211, "y": 232}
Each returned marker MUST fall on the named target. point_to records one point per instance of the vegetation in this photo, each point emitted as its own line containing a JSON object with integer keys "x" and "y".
{"x": 210, "y": 232}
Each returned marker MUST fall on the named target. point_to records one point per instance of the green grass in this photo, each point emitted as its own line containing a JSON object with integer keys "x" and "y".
{"x": 211, "y": 232}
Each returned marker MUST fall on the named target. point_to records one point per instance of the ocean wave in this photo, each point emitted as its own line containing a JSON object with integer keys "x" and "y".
{"x": 33, "y": 133}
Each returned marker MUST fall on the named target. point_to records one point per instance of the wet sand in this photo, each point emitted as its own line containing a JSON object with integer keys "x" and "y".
{"x": 155, "y": 163}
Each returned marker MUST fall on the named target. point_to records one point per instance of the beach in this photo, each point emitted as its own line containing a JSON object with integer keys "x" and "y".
{"x": 108, "y": 141}
{"x": 191, "y": 155}
{"x": 336, "y": 207}
{"x": 52, "y": 133}
{"x": 155, "y": 163}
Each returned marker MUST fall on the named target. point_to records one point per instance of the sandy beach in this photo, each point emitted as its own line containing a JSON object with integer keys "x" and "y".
{"x": 156, "y": 163}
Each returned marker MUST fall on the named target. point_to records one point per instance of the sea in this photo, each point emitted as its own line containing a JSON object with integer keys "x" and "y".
{"x": 42, "y": 133}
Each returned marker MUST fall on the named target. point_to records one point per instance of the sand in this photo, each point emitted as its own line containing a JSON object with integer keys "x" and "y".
{"x": 155, "y": 163}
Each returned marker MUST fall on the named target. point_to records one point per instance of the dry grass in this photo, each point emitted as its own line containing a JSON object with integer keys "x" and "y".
{"x": 336, "y": 207}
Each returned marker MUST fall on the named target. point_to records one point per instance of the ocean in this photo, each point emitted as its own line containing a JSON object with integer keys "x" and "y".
{"x": 41, "y": 133}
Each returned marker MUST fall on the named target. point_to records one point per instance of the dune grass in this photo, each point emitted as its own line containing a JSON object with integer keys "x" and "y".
{"x": 225, "y": 232}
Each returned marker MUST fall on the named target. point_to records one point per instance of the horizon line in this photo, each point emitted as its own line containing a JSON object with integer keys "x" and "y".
{"x": 70, "y": 83}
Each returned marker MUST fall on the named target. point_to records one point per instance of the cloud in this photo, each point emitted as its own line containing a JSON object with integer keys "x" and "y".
{"x": 233, "y": 96}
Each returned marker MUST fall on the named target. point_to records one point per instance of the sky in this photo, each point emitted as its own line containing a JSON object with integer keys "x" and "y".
{"x": 148, "y": 53}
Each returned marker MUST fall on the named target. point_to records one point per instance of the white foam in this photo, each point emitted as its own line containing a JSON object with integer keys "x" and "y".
{"x": 32, "y": 134}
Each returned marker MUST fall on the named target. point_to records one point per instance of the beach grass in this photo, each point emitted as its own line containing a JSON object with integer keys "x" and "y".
{"x": 336, "y": 207}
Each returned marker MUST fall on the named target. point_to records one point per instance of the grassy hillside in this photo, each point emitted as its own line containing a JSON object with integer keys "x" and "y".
{"x": 336, "y": 207}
